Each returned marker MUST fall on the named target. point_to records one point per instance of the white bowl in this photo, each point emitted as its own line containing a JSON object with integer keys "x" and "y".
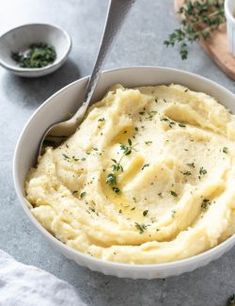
{"x": 21, "y": 37}
{"x": 229, "y": 9}
{"x": 66, "y": 101}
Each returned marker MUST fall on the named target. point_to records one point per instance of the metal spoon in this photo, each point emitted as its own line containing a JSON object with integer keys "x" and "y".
{"x": 58, "y": 132}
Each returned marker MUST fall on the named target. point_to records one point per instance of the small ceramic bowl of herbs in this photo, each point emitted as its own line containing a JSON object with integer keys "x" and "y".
{"x": 34, "y": 50}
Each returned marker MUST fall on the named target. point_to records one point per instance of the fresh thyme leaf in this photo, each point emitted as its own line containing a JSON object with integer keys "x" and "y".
{"x": 126, "y": 150}
{"x": 187, "y": 173}
{"x": 117, "y": 167}
{"x": 225, "y": 150}
{"x": 164, "y": 119}
{"x": 111, "y": 179}
{"x": 205, "y": 204}
{"x": 145, "y": 212}
{"x": 202, "y": 171}
{"x": 173, "y": 193}
{"x": 192, "y": 165}
{"x": 82, "y": 195}
{"x": 231, "y": 300}
{"x": 148, "y": 142}
{"x": 36, "y": 56}
{"x": 199, "y": 20}
{"x": 116, "y": 189}
{"x": 66, "y": 156}
{"x": 140, "y": 227}
{"x": 144, "y": 166}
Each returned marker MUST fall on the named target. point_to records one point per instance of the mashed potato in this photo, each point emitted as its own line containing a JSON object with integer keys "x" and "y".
{"x": 149, "y": 177}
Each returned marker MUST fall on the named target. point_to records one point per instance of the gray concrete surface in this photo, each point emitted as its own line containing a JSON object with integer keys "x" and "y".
{"x": 140, "y": 43}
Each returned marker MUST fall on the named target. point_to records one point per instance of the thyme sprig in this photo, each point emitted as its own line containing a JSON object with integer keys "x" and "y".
{"x": 127, "y": 149}
{"x": 117, "y": 168}
{"x": 199, "y": 20}
{"x": 231, "y": 300}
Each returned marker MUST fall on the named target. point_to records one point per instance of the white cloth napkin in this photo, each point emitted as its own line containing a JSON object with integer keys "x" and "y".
{"x": 23, "y": 285}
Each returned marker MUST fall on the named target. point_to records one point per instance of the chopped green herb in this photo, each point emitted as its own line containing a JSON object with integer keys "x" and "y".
{"x": 144, "y": 166}
{"x": 82, "y": 195}
{"x": 205, "y": 204}
{"x": 148, "y": 142}
{"x": 171, "y": 123}
{"x": 173, "y": 193}
{"x": 126, "y": 149}
{"x": 101, "y": 119}
{"x": 145, "y": 212}
{"x": 111, "y": 179}
{"x": 36, "y": 56}
{"x": 182, "y": 125}
{"x": 202, "y": 171}
{"x": 116, "y": 189}
{"x": 83, "y": 158}
{"x": 140, "y": 227}
{"x": 231, "y": 300}
{"x": 117, "y": 166}
{"x": 192, "y": 165}
{"x": 225, "y": 150}
{"x": 66, "y": 156}
{"x": 187, "y": 173}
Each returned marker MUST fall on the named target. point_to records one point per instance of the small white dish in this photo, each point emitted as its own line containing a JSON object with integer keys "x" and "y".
{"x": 65, "y": 101}
{"x": 229, "y": 9}
{"x": 20, "y": 38}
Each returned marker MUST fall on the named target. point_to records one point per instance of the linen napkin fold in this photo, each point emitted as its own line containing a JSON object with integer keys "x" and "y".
{"x": 23, "y": 285}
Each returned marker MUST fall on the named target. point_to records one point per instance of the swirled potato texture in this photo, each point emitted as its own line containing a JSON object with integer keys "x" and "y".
{"x": 148, "y": 177}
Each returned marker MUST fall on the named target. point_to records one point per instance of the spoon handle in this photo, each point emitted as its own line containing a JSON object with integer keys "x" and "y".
{"x": 117, "y": 12}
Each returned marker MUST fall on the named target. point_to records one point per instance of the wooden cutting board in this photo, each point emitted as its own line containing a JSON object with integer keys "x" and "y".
{"x": 217, "y": 47}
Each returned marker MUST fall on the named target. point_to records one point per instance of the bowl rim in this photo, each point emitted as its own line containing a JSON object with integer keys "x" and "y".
{"x": 189, "y": 261}
{"x": 228, "y": 11}
{"x": 15, "y": 68}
